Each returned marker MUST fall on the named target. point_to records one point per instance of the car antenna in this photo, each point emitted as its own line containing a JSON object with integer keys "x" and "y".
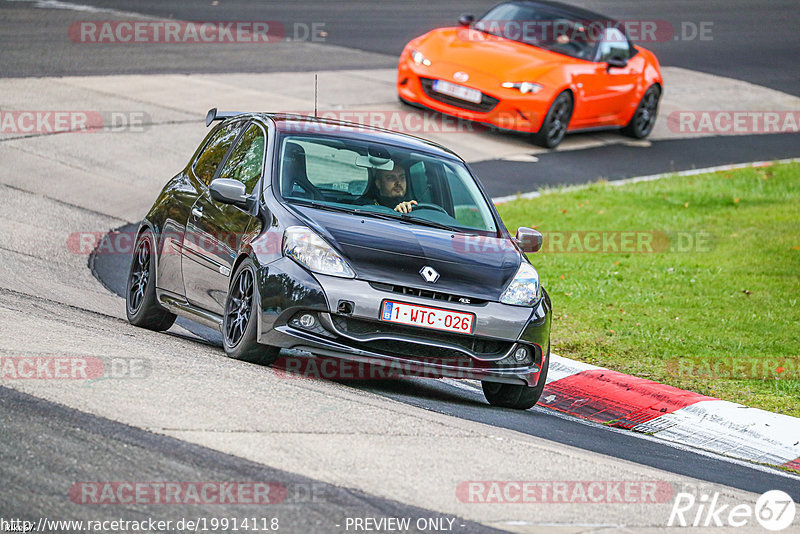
{"x": 315, "y": 96}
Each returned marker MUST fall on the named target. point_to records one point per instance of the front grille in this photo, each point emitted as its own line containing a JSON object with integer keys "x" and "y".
{"x": 486, "y": 104}
{"x": 422, "y": 353}
{"x": 427, "y": 294}
{"x": 416, "y": 341}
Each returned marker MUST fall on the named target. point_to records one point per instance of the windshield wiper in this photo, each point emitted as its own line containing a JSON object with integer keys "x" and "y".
{"x": 342, "y": 209}
{"x": 404, "y": 217}
{"x": 432, "y": 224}
{"x": 320, "y": 205}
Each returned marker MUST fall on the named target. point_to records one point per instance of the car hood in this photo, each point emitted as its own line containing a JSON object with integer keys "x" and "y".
{"x": 395, "y": 253}
{"x": 497, "y": 57}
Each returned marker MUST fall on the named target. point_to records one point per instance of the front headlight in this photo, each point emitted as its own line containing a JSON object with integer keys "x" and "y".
{"x": 524, "y": 87}
{"x": 312, "y": 252}
{"x": 420, "y": 59}
{"x": 524, "y": 289}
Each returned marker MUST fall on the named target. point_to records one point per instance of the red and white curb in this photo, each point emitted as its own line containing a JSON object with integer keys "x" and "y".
{"x": 671, "y": 414}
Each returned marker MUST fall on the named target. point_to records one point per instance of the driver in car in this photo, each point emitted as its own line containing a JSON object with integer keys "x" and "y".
{"x": 389, "y": 189}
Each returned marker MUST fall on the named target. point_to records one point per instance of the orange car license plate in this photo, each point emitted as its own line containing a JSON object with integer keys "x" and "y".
{"x": 458, "y": 91}
{"x": 427, "y": 317}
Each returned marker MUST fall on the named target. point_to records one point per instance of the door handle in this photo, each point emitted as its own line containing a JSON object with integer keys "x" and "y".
{"x": 197, "y": 212}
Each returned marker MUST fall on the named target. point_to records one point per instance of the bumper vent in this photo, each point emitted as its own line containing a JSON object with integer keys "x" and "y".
{"x": 427, "y": 294}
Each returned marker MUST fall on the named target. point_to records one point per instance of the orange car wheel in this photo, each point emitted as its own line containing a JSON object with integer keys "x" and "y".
{"x": 555, "y": 123}
{"x": 644, "y": 118}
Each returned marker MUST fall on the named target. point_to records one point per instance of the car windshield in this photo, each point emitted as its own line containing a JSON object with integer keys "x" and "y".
{"x": 373, "y": 179}
{"x": 537, "y": 26}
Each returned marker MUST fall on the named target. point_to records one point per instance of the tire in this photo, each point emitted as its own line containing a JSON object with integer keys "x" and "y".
{"x": 644, "y": 118}
{"x": 141, "y": 306}
{"x": 515, "y": 396}
{"x": 239, "y": 320}
{"x": 555, "y": 123}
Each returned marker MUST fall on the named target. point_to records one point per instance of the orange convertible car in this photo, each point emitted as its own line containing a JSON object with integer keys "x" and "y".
{"x": 534, "y": 66}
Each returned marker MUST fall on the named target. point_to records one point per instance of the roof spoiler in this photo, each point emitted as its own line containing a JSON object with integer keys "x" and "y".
{"x": 214, "y": 115}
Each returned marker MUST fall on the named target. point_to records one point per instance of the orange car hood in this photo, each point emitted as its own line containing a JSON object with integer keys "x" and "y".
{"x": 497, "y": 57}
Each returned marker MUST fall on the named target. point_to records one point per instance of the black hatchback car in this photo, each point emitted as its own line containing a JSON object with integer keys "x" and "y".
{"x": 341, "y": 240}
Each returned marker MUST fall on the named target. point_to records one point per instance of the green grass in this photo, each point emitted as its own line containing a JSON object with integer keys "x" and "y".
{"x": 676, "y": 316}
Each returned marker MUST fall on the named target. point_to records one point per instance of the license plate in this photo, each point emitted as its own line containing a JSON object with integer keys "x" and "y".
{"x": 458, "y": 91}
{"x": 427, "y": 317}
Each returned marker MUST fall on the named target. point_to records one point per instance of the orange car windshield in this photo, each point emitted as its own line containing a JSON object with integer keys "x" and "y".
{"x": 550, "y": 30}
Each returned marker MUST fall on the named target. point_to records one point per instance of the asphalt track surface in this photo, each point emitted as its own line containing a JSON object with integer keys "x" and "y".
{"x": 752, "y": 41}
{"x": 123, "y": 452}
{"x": 615, "y": 162}
{"x": 468, "y": 403}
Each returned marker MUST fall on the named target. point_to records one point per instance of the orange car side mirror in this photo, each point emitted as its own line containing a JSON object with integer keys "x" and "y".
{"x": 617, "y": 63}
{"x": 466, "y": 20}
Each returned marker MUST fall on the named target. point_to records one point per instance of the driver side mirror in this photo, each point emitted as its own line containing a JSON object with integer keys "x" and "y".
{"x": 233, "y": 192}
{"x": 466, "y": 20}
{"x": 616, "y": 63}
{"x": 528, "y": 239}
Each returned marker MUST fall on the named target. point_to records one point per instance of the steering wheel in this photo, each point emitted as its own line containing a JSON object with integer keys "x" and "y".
{"x": 427, "y": 206}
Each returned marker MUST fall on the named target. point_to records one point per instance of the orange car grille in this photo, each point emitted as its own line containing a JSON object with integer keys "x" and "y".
{"x": 487, "y": 102}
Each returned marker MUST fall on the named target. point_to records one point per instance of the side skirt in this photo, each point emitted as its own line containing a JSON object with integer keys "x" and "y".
{"x": 179, "y": 306}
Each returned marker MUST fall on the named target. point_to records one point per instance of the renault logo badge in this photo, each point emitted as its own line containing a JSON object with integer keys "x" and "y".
{"x": 429, "y": 274}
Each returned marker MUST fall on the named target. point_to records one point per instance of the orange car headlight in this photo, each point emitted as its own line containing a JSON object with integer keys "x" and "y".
{"x": 420, "y": 59}
{"x": 524, "y": 87}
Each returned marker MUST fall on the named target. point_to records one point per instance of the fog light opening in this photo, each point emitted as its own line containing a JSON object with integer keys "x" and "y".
{"x": 345, "y": 307}
{"x": 307, "y": 320}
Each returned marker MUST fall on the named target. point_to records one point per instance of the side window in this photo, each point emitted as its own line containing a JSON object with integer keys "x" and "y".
{"x": 420, "y": 186}
{"x": 215, "y": 149}
{"x": 466, "y": 211}
{"x": 613, "y": 45}
{"x": 246, "y": 161}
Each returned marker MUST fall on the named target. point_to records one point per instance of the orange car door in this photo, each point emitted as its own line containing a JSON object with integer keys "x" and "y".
{"x": 607, "y": 91}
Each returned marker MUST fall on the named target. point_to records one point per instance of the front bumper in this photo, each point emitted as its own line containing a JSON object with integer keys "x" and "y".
{"x": 503, "y": 108}
{"x": 346, "y": 326}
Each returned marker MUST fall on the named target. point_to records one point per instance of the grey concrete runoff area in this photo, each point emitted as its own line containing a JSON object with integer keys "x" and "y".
{"x": 178, "y": 411}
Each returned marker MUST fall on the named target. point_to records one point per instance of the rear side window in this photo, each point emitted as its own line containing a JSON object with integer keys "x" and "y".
{"x": 247, "y": 159}
{"x": 334, "y": 168}
{"x": 215, "y": 149}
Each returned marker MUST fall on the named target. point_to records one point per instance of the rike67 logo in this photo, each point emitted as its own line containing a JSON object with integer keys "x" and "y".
{"x": 774, "y": 510}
